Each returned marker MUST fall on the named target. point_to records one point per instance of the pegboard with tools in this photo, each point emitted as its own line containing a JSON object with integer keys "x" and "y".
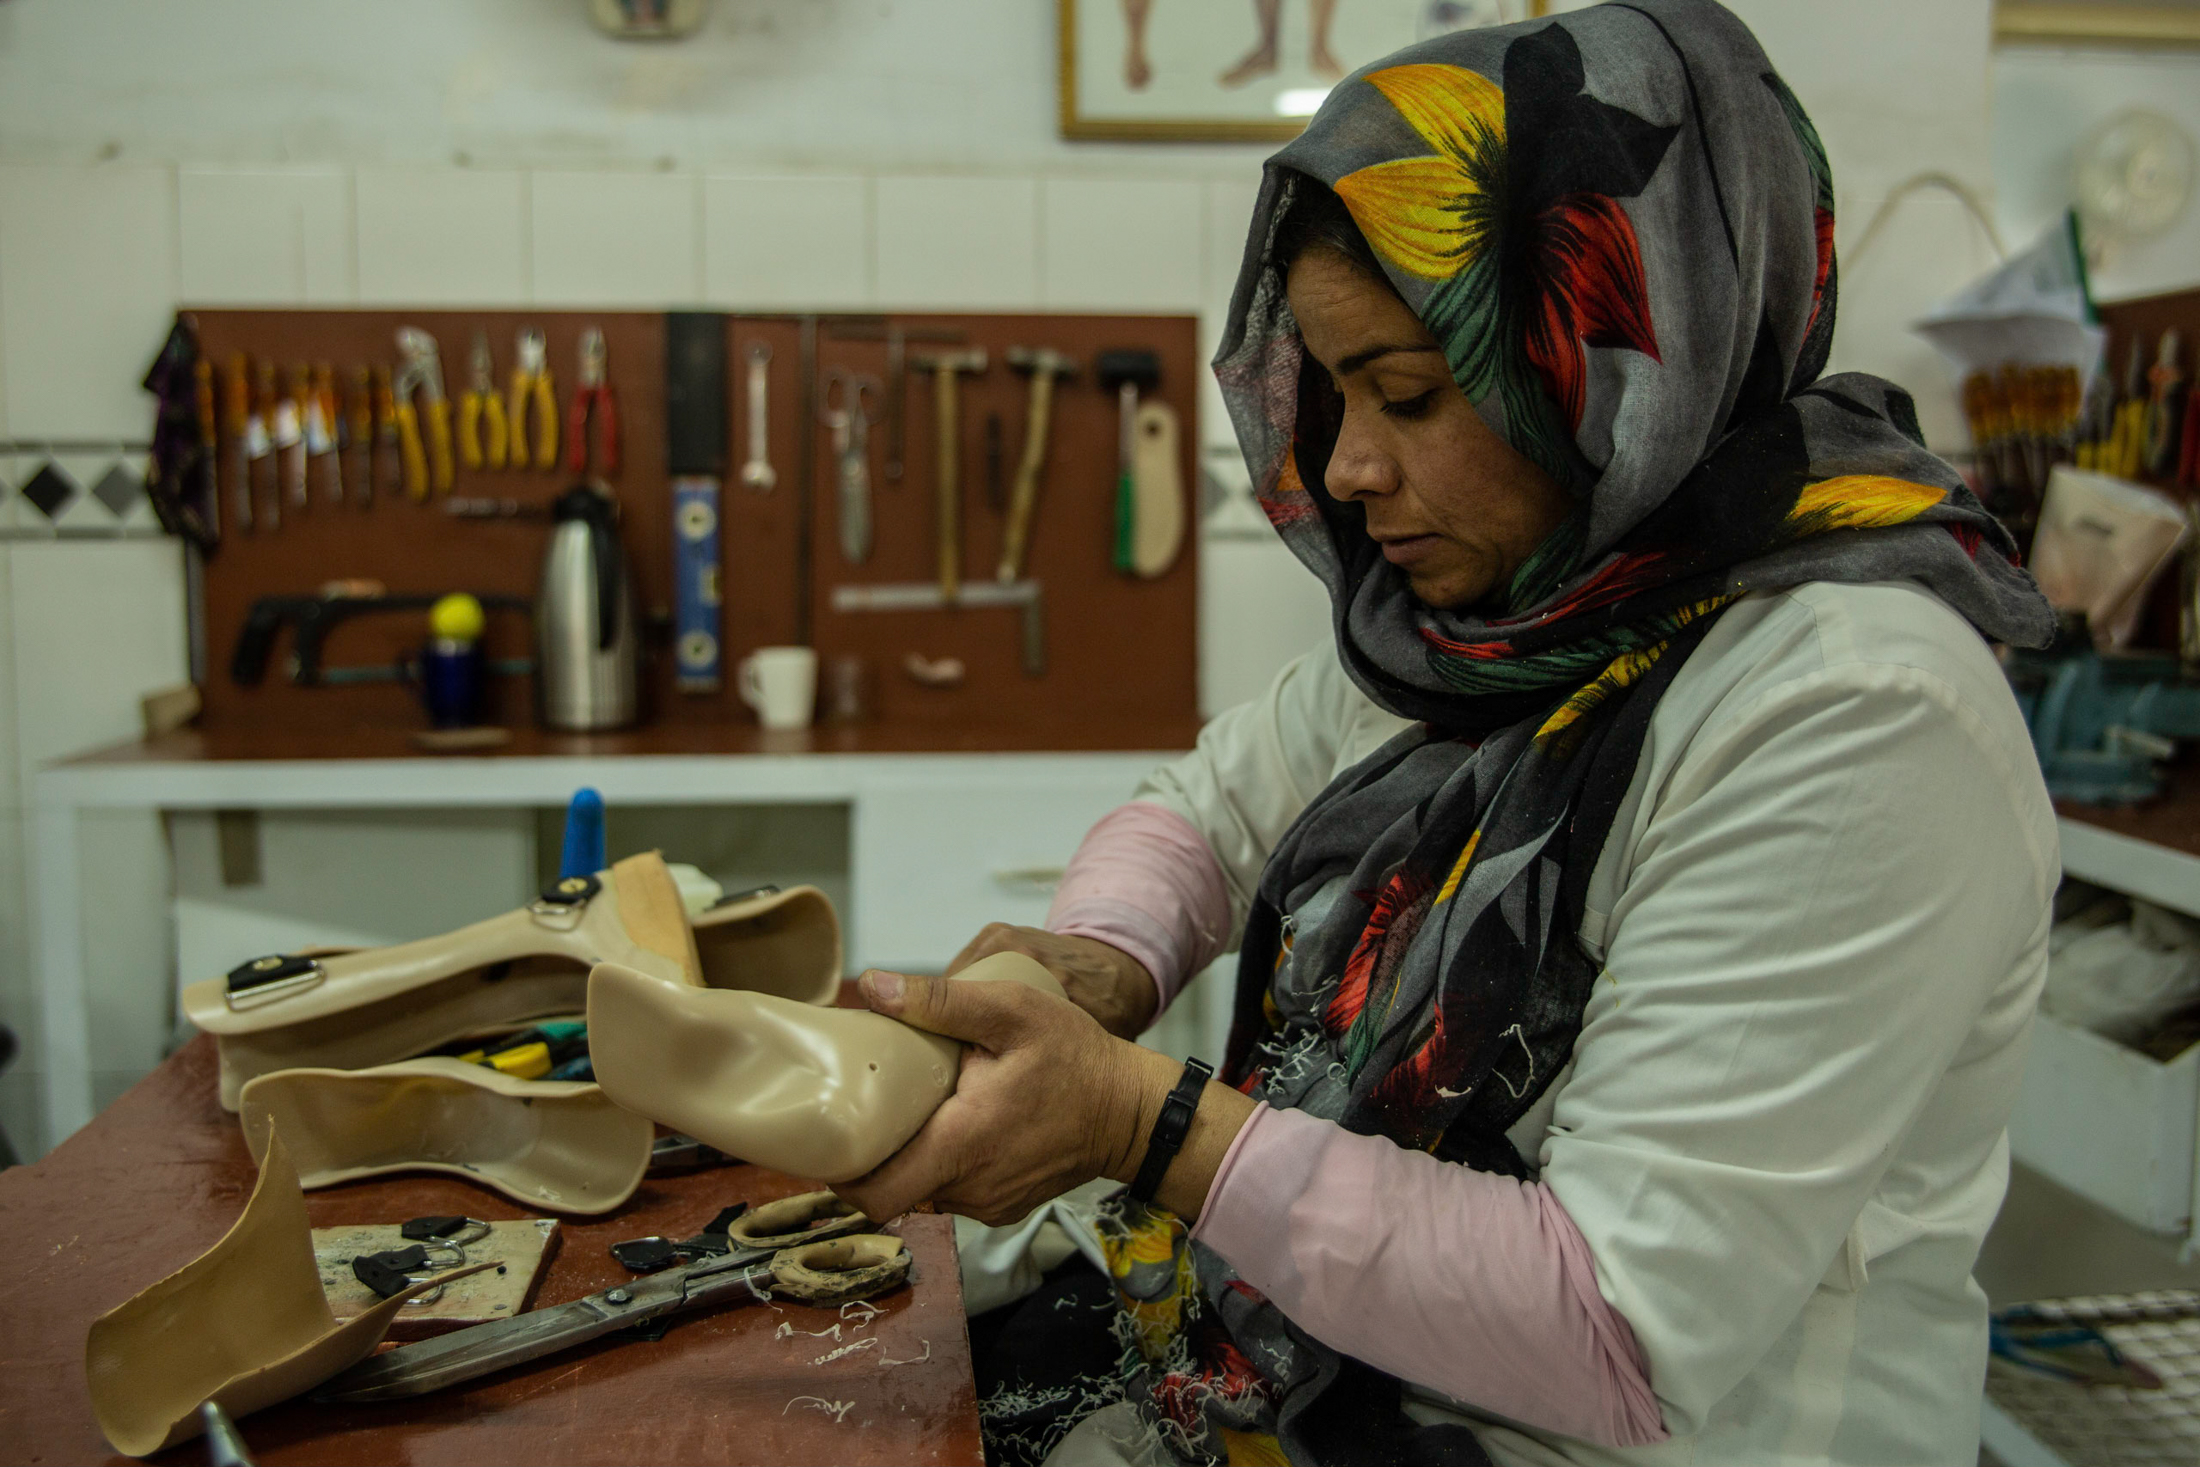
{"x": 1038, "y": 591}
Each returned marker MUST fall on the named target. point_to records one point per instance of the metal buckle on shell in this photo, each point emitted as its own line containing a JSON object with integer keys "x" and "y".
{"x": 265, "y": 980}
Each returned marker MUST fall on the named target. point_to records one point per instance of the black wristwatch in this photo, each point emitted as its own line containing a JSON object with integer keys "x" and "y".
{"x": 1170, "y": 1129}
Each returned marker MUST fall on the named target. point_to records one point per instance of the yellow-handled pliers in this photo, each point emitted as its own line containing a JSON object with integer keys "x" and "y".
{"x": 531, "y": 383}
{"x": 481, "y": 407}
{"x": 420, "y": 368}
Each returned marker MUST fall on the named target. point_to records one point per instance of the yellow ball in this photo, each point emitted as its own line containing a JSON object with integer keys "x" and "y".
{"x": 457, "y": 618}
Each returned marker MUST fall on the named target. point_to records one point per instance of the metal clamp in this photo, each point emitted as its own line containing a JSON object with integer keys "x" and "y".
{"x": 566, "y": 897}
{"x": 265, "y": 980}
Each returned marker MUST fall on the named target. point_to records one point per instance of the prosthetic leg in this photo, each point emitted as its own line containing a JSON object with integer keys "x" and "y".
{"x": 560, "y": 1145}
{"x": 815, "y": 1092}
{"x": 350, "y": 1010}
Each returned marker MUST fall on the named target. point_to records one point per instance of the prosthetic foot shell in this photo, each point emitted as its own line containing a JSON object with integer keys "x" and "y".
{"x": 245, "y": 1325}
{"x": 559, "y": 1145}
{"x": 814, "y": 1092}
{"x": 785, "y": 943}
{"x": 354, "y": 1010}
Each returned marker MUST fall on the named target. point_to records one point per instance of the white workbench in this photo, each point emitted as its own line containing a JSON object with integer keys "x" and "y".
{"x": 941, "y": 840}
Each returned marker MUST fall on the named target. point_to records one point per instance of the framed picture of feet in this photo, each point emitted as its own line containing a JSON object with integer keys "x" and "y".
{"x": 1234, "y": 70}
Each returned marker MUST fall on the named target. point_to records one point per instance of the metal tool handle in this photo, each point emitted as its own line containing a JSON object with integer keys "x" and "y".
{"x": 950, "y": 485}
{"x": 1027, "y": 477}
{"x": 757, "y": 471}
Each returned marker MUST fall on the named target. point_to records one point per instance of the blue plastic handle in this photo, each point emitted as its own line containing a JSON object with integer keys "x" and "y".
{"x": 584, "y": 847}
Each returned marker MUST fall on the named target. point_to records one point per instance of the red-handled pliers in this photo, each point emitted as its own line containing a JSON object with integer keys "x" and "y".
{"x": 592, "y": 398}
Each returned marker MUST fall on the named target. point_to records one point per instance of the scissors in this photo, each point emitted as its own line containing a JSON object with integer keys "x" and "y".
{"x": 808, "y": 1248}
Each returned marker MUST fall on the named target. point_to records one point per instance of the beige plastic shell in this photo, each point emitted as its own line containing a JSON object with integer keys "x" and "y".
{"x": 555, "y": 1144}
{"x": 244, "y": 1324}
{"x": 813, "y": 1092}
{"x": 378, "y": 1005}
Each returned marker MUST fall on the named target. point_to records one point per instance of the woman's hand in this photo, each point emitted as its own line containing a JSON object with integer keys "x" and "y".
{"x": 1104, "y": 981}
{"x": 1047, "y": 1100}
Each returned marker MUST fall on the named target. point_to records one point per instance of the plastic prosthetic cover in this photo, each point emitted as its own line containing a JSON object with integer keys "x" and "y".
{"x": 554, "y": 1144}
{"x": 245, "y": 1324}
{"x": 785, "y": 943}
{"x": 377, "y": 1005}
{"x": 814, "y": 1092}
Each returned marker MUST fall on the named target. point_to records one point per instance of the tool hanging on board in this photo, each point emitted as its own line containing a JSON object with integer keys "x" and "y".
{"x": 695, "y": 455}
{"x": 756, "y": 470}
{"x": 481, "y": 411}
{"x": 531, "y": 386}
{"x": 945, "y": 367}
{"x": 420, "y": 370}
{"x": 1126, "y": 371}
{"x": 359, "y": 435}
{"x": 897, "y": 338}
{"x": 289, "y": 433}
{"x": 996, "y": 475}
{"x": 1024, "y": 596}
{"x": 593, "y": 406}
{"x": 846, "y": 410}
{"x": 322, "y": 462}
{"x": 1043, "y": 364}
{"x": 260, "y": 448}
{"x": 388, "y": 442}
{"x": 236, "y": 453}
{"x": 210, "y": 441}
{"x": 1157, "y": 490}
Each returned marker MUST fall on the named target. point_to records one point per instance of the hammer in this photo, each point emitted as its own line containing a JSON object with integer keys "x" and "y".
{"x": 943, "y": 366}
{"x": 1044, "y": 364}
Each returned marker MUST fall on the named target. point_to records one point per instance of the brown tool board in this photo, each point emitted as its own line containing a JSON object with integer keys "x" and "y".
{"x": 1119, "y": 650}
{"x": 2144, "y": 319}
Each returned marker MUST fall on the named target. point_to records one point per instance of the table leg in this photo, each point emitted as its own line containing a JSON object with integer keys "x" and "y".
{"x": 57, "y": 918}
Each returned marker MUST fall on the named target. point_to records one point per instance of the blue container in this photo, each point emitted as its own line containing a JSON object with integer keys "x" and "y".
{"x": 452, "y": 675}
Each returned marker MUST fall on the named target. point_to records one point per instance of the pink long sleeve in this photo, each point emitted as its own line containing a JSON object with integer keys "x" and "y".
{"x": 1465, "y": 1282}
{"x": 1145, "y": 880}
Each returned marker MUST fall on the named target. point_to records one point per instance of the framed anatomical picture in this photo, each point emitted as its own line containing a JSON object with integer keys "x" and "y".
{"x": 1234, "y": 70}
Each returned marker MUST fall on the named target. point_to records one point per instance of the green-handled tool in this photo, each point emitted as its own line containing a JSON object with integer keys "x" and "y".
{"x": 1129, "y": 371}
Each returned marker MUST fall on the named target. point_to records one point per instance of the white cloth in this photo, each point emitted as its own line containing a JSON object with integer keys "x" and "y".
{"x": 1822, "y": 914}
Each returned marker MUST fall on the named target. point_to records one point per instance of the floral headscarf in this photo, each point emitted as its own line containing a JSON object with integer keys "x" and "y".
{"x": 1619, "y": 225}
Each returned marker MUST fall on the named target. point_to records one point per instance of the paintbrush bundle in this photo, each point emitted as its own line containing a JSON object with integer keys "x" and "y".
{"x": 2024, "y": 420}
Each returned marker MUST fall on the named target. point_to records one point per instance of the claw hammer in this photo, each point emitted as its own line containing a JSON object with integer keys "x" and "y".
{"x": 944, "y": 366}
{"x": 1044, "y": 364}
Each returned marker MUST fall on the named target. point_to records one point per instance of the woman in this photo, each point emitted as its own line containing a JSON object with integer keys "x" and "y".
{"x": 1640, "y": 907}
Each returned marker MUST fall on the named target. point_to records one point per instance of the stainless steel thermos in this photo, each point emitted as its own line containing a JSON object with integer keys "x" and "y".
{"x": 586, "y": 647}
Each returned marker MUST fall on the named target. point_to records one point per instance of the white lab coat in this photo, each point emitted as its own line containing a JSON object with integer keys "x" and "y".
{"x": 1822, "y": 915}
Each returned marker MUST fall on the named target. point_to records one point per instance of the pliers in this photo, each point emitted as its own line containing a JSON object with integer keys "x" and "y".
{"x": 531, "y": 380}
{"x": 481, "y": 403}
{"x": 420, "y": 368}
{"x": 593, "y": 398}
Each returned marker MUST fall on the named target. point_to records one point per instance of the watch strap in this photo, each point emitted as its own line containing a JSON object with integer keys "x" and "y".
{"x": 1170, "y": 1128}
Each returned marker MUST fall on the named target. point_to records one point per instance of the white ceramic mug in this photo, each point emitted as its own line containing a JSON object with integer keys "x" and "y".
{"x": 780, "y": 683}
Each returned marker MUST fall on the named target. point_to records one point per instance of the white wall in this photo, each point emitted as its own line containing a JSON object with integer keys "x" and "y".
{"x": 823, "y": 153}
{"x": 2045, "y": 100}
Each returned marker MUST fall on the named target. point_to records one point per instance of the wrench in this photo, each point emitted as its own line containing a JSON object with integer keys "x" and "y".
{"x": 758, "y": 472}
{"x": 850, "y": 421}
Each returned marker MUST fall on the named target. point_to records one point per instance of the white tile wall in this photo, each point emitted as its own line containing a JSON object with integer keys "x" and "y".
{"x": 266, "y": 237}
{"x": 947, "y": 243}
{"x": 774, "y": 242}
{"x": 1229, "y": 220}
{"x": 1120, "y": 244}
{"x": 442, "y": 236}
{"x": 94, "y": 625}
{"x": 11, "y": 784}
{"x": 1929, "y": 248}
{"x": 127, "y": 946}
{"x": 87, "y": 286}
{"x": 616, "y": 239}
{"x": 22, "y": 1109}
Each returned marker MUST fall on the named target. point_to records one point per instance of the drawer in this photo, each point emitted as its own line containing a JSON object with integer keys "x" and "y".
{"x": 933, "y": 863}
{"x": 2109, "y": 1123}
